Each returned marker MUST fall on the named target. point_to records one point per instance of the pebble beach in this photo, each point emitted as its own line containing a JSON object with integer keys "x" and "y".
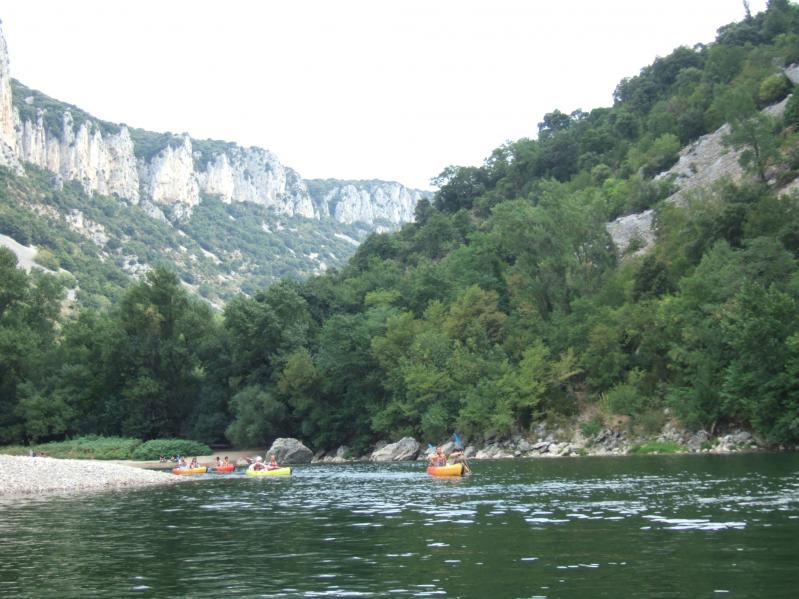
{"x": 32, "y": 476}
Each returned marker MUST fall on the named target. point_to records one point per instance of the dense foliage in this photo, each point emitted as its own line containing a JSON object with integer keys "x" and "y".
{"x": 504, "y": 303}
{"x": 95, "y": 447}
{"x": 222, "y": 249}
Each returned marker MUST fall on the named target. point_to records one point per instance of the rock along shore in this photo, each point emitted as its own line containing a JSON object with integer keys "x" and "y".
{"x": 30, "y": 476}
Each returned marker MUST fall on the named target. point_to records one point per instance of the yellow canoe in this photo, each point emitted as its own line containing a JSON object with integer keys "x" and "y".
{"x": 449, "y": 470}
{"x": 276, "y": 472}
{"x": 199, "y": 470}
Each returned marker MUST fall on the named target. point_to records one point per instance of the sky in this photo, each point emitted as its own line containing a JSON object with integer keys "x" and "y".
{"x": 348, "y": 89}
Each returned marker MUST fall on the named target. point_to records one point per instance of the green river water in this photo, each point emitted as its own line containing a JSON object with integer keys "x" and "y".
{"x": 650, "y": 526}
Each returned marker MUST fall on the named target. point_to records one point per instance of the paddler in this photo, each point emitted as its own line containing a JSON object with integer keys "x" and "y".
{"x": 258, "y": 465}
{"x": 439, "y": 458}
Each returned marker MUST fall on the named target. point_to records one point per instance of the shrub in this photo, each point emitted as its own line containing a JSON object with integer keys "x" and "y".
{"x": 15, "y": 450}
{"x": 46, "y": 258}
{"x": 591, "y": 428}
{"x": 658, "y": 447}
{"x": 651, "y": 421}
{"x": 625, "y": 399}
{"x": 773, "y": 89}
{"x": 91, "y": 447}
{"x": 791, "y": 114}
{"x": 152, "y": 450}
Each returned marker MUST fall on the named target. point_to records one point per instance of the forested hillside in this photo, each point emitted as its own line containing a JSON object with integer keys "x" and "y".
{"x": 505, "y": 303}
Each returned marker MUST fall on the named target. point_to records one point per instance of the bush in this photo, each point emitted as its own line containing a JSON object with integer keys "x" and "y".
{"x": 658, "y": 447}
{"x": 651, "y": 421}
{"x": 773, "y": 89}
{"x": 791, "y": 114}
{"x": 152, "y": 450}
{"x": 625, "y": 399}
{"x": 15, "y": 450}
{"x": 591, "y": 428}
{"x": 92, "y": 447}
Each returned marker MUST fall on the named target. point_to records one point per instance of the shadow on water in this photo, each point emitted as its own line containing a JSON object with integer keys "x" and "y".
{"x": 666, "y": 526}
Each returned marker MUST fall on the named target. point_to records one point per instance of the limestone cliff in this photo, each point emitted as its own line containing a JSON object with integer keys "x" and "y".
{"x": 8, "y": 138}
{"x": 371, "y": 202}
{"x": 168, "y": 173}
{"x": 699, "y": 165}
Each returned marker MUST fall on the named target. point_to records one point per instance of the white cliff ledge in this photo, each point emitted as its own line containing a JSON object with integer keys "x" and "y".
{"x": 173, "y": 170}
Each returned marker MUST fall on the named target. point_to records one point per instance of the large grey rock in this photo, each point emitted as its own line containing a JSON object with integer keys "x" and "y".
{"x": 406, "y": 448}
{"x": 695, "y": 441}
{"x": 290, "y": 451}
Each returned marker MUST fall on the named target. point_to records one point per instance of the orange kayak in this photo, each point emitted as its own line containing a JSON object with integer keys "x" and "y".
{"x": 448, "y": 470}
{"x": 228, "y": 468}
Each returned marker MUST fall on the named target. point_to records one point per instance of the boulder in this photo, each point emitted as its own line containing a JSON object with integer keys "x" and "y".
{"x": 524, "y": 445}
{"x": 290, "y": 451}
{"x": 697, "y": 440}
{"x": 741, "y": 438}
{"x": 406, "y": 448}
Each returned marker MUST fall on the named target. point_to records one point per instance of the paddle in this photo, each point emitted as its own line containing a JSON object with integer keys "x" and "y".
{"x": 459, "y": 445}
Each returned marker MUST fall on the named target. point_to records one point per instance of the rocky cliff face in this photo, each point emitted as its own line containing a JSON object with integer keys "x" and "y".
{"x": 700, "y": 164}
{"x": 8, "y": 153}
{"x": 172, "y": 171}
{"x": 256, "y": 175}
{"x": 365, "y": 201}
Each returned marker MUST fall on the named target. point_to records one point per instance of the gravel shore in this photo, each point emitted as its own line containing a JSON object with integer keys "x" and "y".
{"x": 32, "y": 476}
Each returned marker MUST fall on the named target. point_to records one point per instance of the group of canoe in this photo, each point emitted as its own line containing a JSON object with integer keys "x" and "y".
{"x": 256, "y": 468}
{"x": 437, "y": 466}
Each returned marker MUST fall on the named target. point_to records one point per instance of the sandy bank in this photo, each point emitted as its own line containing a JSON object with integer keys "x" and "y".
{"x": 31, "y": 476}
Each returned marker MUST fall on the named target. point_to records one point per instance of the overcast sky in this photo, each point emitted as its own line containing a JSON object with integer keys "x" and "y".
{"x": 350, "y": 89}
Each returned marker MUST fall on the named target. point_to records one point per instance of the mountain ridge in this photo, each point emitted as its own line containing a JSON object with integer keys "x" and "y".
{"x": 171, "y": 170}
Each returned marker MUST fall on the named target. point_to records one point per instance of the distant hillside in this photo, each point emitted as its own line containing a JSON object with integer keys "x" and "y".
{"x": 106, "y": 202}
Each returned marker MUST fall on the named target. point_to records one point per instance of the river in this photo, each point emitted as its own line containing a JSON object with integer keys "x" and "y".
{"x": 648, "y": 526}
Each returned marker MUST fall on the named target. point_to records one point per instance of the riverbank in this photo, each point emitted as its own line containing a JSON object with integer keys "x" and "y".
{"x": 568, "y": 441}
{"x": 31, "y": 476}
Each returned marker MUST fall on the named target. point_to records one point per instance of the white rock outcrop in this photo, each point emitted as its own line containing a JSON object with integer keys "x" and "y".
{"x": 369, "y": 201}
{"x": 101, "y": 157}
{"x": 8, "y": 137}
{"x": 256, "y": 175}
{"x": 169, "y": 178}
{"x": 100, "y": 162}
{"x": 700, "y": 164}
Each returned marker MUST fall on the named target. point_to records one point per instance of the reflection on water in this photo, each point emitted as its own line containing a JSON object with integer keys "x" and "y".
{"x": 692, "y": 526}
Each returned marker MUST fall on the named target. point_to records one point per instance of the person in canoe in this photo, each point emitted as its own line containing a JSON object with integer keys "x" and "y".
{"x": 258, "y": 464}
{"x": 194, "y": 463}
{"x": 456, "y": 457}
{"x": 273, "y": 465}
{"x": 226, "y": 461}
{"x": 218, "y": 461}
{"x": 439, "y": 458}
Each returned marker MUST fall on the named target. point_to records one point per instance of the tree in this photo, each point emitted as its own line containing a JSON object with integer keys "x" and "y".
{"x": 759, "y": 146}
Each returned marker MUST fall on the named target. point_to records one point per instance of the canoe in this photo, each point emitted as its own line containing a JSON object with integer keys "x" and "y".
{"x": 224, "y": 469}
{"x": 448, "y": 470}
{"x": 198, "y": 470}
{"x": 276, "y": 472}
